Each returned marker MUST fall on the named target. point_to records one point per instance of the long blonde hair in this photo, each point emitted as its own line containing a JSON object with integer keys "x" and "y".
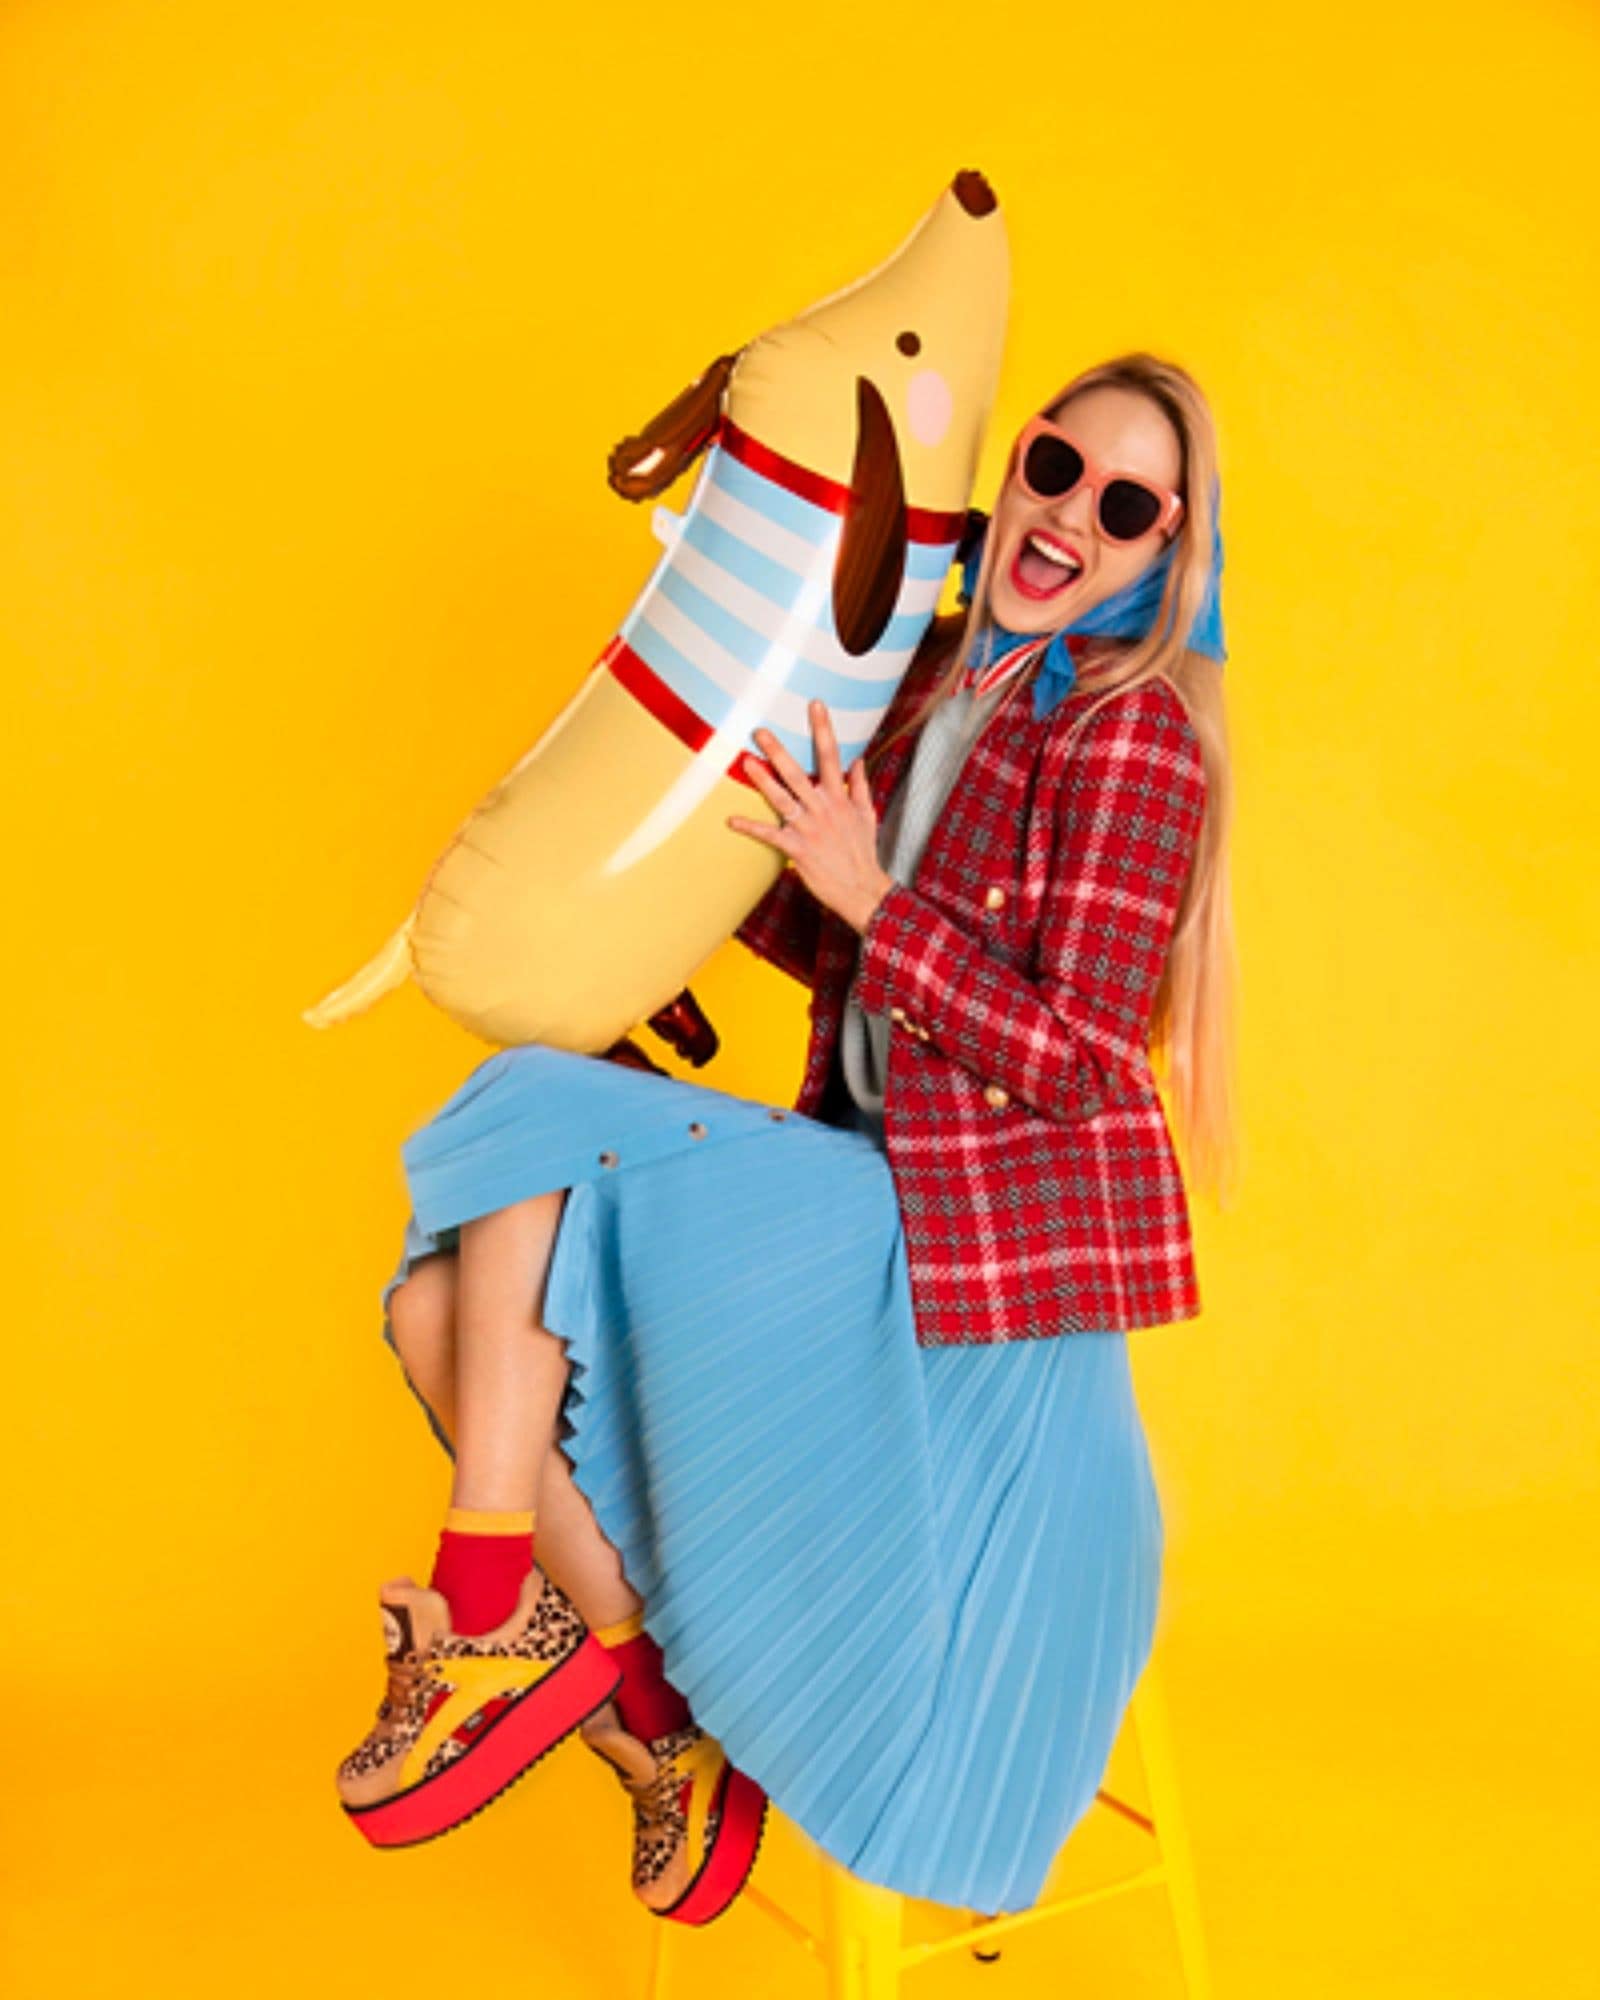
{"x": 1194, "y": 1010}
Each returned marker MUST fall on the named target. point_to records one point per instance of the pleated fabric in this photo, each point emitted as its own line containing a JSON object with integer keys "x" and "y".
{"x": 908, "y": 1589}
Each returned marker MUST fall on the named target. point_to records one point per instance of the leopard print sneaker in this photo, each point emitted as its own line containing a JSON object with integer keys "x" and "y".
{"x": 464, "y": 1715}
{"x": 697, "y": 1822}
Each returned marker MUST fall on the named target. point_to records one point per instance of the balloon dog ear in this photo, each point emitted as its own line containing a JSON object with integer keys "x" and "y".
{"x": 648, "y": 462}
{"x": 872, "y": 544}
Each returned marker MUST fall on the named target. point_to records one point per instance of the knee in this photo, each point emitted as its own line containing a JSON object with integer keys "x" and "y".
{"x": 422, "y": 1313}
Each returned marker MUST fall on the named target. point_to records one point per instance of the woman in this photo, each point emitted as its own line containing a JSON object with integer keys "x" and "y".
{"x": 854, "y": 1509}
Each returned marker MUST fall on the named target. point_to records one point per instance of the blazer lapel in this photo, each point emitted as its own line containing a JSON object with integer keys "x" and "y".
{"x": 994, "y": 777}
{"x": 999, "y": 765}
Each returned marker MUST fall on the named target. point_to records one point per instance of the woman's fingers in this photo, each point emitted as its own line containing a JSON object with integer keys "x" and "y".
{"x": 827, "y": 745}
{"x": 791, "y": 790}
{"x": 777, "y": 796}
{"x": 797, "y": 781}
{"x": 772, "y": 835}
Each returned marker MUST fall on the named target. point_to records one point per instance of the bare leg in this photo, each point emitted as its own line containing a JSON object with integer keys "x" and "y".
{"x": 422, "y": 1318}
{"x": 571, "y": 1549}
{"x": 576, "y": 1555}
{"x": 510, "y": 1371}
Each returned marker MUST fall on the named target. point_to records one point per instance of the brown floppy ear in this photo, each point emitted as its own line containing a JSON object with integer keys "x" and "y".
{"x": 872, "y": 544}
{"x": 649, "y": 462}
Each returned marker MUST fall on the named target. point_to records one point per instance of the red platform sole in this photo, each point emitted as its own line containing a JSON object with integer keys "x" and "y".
{"x": 512, "y": 1744}
{"x": 726, "y": 1868}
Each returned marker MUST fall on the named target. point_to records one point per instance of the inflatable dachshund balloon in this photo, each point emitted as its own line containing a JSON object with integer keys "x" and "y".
{"x": 584, "y": 890}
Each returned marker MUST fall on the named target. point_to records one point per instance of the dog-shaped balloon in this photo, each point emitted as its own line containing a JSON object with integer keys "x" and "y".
{"x": 585, "y": 889}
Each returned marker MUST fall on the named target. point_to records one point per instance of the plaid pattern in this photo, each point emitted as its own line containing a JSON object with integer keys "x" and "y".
{"x": 1038, "y": 1185}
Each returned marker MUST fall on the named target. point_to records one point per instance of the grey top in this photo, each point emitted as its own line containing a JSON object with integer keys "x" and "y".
{"x": 942, "y": 748}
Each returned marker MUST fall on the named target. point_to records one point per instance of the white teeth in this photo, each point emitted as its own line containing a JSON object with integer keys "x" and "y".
{"x": 1055, "y": 555}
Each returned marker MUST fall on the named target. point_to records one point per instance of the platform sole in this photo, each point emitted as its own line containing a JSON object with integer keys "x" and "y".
{"x": 727, "y": 1867}
{"x": 513, "y": 1743}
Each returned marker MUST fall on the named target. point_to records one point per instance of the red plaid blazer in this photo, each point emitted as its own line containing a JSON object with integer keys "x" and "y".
{"x": 1037, "y": 1181}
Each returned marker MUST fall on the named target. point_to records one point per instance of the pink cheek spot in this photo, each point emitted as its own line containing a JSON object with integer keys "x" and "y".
{"x": 929, "y": 406}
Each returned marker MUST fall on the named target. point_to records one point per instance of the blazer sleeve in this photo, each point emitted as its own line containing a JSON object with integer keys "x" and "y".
{"x": 1073, "y": 1040}
{"x": 785, "y": 927}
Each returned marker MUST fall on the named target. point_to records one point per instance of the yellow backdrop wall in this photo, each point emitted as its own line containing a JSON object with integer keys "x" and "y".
{"x": 319, "y": 322}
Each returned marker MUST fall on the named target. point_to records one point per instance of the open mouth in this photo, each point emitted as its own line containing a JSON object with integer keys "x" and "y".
{"x": 1044, "y": 567}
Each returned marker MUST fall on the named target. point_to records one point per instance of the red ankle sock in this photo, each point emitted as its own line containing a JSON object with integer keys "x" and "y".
{"x": 483, "y": 1557}
{"x": 647, "y": 1701}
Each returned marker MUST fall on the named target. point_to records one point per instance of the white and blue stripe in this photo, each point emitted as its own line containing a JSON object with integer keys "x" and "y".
{"x": 737, "y": 619}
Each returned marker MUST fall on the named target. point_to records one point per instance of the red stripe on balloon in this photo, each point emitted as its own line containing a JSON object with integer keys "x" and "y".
{"x": 670, "y": 710}
{"x": 923, "y": 524}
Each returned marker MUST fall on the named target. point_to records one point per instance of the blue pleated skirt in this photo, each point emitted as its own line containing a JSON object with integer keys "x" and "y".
{"x": 908, "y": 1589}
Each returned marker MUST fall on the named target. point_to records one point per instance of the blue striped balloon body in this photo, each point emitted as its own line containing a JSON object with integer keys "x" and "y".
{"x": 737, "y": 618}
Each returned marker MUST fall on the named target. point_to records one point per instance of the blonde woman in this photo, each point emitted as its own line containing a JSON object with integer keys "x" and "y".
{"x": 795, "y": 1450}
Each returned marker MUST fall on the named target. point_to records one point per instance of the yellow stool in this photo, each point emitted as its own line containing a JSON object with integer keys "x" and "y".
{"x": 860, "y": 1944}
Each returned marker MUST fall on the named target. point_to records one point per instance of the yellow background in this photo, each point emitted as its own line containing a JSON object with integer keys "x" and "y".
{"x": 318, "y": 324}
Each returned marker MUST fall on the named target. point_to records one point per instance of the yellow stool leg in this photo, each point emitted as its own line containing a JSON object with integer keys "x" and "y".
{"x": 1155, "y": 1753}
{"x": 655, "y": 1979}
{"x": 861, "y": 1927}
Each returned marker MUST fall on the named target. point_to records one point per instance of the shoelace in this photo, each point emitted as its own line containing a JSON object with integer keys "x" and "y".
{"x": 408, "y": 1675}
{"x": 657, "y": 1796}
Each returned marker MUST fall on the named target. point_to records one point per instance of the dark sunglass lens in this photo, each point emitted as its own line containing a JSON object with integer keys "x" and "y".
{"x": 1052, "y": 467}
{"x": 1128, "y": 510}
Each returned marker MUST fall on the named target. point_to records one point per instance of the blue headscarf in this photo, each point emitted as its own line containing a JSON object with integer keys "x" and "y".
{"x": 1128, "y": 613}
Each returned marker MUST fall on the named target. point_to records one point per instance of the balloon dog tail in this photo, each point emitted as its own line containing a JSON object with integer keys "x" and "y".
{"x": 380, "y": 975}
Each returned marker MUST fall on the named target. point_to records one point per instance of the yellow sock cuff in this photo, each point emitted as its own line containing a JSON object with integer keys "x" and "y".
{"x": 620, "y": 1633}
{"x": 486, "y": 1521}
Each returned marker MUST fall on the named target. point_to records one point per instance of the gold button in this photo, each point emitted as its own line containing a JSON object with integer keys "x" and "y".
{"x": 897, "y": 1013}
{"x": 608, "y": 1159}
{"x": 995, "y": 899}
{"x": 995, "y": 1095}
{"x": 697, "y": 1130}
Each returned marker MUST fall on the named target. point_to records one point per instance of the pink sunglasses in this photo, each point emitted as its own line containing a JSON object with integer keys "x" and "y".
{"x": 1050, "y": 464}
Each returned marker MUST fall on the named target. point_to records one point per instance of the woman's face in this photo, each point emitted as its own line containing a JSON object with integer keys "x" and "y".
{"x": 1031, "y": 592}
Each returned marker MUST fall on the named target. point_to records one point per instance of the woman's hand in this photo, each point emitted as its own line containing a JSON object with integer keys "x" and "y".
{"x": 830, "y": 829}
